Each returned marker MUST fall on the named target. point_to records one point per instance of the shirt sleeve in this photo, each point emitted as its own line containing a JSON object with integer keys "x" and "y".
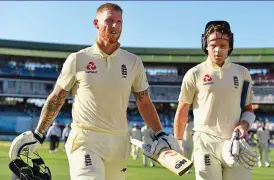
{"x": 140, "y": 82}
{"x": 67, "y": 78}
{"x": 188, "y": 88}
{"x": 249, "y": 92}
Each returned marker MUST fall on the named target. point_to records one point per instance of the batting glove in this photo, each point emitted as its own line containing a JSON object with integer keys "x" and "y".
{"x": 27, "y": 141}
{"x": 164, "y": 141}
{"x": 248, "y": 157}
{"x": 231, "y": 150}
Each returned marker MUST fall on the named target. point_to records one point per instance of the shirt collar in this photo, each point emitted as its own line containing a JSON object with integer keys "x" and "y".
{"x": 214, "y": 65}
{"x": 99, "y": 51}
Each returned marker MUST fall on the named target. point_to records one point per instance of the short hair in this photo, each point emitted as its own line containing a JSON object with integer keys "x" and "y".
{"x": 109, "y": 6}
{"x": 220, "y": 29}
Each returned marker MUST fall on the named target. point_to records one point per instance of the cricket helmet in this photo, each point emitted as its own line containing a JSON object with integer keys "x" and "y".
{"x": 211, "y": 27}
{"x": 27, "y": 168}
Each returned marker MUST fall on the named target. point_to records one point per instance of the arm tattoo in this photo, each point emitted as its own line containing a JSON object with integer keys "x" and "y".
{"x": 140, "y": 95}
{"x": 51, "y": 109}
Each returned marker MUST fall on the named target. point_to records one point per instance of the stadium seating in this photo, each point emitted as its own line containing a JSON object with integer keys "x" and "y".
{"x": 20, "y": 69}
{"x": 164, "y": 78}
{"x": 14, "y": 119}
{"x": 158, "y": 93}
{"x": 25, "y": 87}
{"x": 40, "y": 70}
{"x": 17, "y": 120}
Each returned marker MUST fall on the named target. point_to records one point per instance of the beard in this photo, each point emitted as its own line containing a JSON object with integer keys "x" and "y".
{"x": 110, "y": 38}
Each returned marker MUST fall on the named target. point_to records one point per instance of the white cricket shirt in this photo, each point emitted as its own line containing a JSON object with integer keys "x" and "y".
{"x": 263, "y": 135}
{"x": 136, "y": 133}
{"x": 101, "y": 85}
{"x": 147, "y": 135}
{"x": 215, "y": 93}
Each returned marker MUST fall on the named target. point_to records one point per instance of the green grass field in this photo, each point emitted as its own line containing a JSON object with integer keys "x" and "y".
{"x": 135, "y": 170}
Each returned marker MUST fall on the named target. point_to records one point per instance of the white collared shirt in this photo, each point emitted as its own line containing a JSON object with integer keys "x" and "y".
{"x": 147, "y": 135}
{"x": 54, "y": 131}
{"x": 101, "y": 85}
{"x": 215, "y": 93}
{"x": 263, "y": 135}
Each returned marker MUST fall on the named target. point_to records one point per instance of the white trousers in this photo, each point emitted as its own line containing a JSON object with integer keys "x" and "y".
{"x": 96, "y": 155}
{"x": 208, "y": 161}
{"x": 264, "y": 149}
{"x": 134, "y": 151}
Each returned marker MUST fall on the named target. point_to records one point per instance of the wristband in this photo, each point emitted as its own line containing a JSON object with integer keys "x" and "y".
{"x": 249, "y": 117}
{"x": 159, "y": 134}
{"x": 39, "y": 136}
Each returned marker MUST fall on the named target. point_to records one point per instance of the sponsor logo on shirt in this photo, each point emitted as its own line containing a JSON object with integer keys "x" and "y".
{"x": 91, "y": 67}
{"x": 207, "y": 80}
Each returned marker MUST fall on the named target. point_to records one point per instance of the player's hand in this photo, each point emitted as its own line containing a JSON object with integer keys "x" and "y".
{"x": 248, "y": 157}
{"x": 27, "y": 141}
{"x": 243, "y": 129}
{"x": 163, "y": 141}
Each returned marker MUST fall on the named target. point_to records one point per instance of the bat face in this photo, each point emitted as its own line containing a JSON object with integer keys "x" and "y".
{"x": 174, "y": 161}
{"x": 168, "y": 158}
{"x": 169, "y": 153}
{"x": 180, "y": 163}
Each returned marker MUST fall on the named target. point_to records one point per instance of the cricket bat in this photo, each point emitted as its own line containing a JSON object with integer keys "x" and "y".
{"x": 168, "y": 158}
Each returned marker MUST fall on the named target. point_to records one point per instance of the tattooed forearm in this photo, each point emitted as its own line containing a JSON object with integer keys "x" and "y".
{"x": 147, "y": 110}
{"x": 51, "y": 109}
{"x": 140, "y": 95}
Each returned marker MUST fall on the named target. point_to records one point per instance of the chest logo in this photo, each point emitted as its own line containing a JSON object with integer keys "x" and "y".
{"x": 207, "y": 79}
{"x": 236, "y": 82}
{"x": 124, "y": 71}
{"x": 91, "y": 67}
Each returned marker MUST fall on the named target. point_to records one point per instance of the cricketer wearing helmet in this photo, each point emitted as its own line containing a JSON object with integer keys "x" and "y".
{"x": 214, "y": 88}
{"x": 101, "y": 78}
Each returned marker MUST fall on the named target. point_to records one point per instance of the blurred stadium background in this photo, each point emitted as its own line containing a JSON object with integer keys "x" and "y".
{"x": 28, "y": 71}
